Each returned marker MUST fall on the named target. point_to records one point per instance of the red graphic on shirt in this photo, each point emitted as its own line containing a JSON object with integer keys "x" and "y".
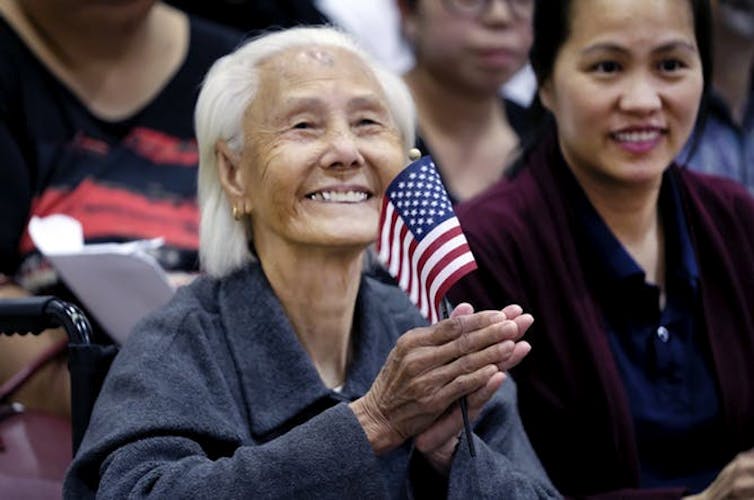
{"x": 83, "y": 142}
{"x": 162, "y": 148}
{"x": 111, "y": 212}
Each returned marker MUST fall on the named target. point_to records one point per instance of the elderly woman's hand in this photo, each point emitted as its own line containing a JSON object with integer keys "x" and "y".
{"x": 438, "y": 442}
{"x": 430, "y": 368}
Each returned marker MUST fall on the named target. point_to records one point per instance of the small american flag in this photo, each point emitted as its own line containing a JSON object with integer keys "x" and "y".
{"x": 421, "y": 242}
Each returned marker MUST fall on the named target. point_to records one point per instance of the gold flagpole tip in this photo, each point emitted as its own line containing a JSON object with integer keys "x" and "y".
{"x": 414, "y": 154}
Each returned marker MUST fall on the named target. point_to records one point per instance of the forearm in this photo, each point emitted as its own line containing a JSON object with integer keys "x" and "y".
{"x": 323, "y": 457}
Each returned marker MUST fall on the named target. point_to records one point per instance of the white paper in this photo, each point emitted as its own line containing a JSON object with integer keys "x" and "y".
{"x": 119, "y": 283}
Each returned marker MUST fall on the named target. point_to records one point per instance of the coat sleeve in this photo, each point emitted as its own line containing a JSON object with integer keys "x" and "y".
{"x": 147, "y": 438}
{"x": 505, "y": 465}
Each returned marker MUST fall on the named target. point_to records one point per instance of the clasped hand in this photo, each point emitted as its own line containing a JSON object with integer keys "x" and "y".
{"x": 415, "y": 394}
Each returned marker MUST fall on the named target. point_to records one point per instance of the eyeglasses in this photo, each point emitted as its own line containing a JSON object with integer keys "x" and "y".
{"x": 522, "y": 9}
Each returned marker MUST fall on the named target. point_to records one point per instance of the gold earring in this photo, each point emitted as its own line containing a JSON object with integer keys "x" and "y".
{"x": 414, "y": 154}
{"x": 236, "y": 213}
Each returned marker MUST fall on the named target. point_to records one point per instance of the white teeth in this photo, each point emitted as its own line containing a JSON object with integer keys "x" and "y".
{"x": 637, "y": 136}
{"x": 339, "y": 197}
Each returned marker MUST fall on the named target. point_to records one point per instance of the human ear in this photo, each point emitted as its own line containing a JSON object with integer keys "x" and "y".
{"x": 232, "y": 176}
{"x": 545, "y": 95}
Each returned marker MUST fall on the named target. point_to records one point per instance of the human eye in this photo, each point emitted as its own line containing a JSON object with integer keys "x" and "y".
{"x": 367, "y": 122}
{"x": 302, "y": 125}
{"x": 670, "y": 65}
{"x": 606, "y": 67}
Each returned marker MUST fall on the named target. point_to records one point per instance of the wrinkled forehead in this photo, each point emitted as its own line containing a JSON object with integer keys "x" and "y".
{"x": 313, "y": 73}
{"x": 315, "y": 61}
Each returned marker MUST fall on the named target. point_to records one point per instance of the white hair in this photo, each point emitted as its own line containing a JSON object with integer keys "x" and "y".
{"x": 228, "y": 89}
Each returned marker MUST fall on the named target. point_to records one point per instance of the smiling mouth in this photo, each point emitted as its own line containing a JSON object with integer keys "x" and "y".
{"x": 637, "y": 135}
{"x": 339, "y": 196}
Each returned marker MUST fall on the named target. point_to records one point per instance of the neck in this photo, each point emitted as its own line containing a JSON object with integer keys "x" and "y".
{"x": 115, "y": 57}
{"x": 463, "y": 113}
{"x": 318, "y": 290}
{"x": 75, "y": 39}
{"x": 734, "y": 65}
{"x": 632, "y": 215}
{"x": 468, "y": 133}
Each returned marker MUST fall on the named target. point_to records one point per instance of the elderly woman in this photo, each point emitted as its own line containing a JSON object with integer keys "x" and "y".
{"x": 283, "y": 373}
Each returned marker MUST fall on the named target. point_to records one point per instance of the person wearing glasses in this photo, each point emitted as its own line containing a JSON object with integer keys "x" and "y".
{"x": 464, "y": 50}
{"x": 640, "y": 382}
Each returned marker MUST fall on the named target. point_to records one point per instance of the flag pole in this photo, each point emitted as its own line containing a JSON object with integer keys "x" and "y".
{"x": 445, "y": 310}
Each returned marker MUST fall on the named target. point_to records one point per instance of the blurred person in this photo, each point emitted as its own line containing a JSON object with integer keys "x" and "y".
{"x": 96, "y": 103}
{"x": 726, "y": 147}
{"x": 285, "y": 372}
{"x": 640, "y": 272}
{"x": 464, "y": 51}
{"x": 255, "y": 16}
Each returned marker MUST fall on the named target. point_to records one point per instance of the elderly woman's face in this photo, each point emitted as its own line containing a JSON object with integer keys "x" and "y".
{"x": 321, "y": 147}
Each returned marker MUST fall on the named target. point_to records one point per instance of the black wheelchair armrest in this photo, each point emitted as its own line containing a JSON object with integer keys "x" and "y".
{"x": 35, "y": 314}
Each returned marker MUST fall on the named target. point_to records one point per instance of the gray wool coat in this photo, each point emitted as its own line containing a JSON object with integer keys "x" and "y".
{"x": 213, "y": 396}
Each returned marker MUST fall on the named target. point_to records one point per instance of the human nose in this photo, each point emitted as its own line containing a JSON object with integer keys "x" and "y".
{"x": 498, "y": 11}
{"x": 640, "y": 96}
{"x": 342, "y": 150}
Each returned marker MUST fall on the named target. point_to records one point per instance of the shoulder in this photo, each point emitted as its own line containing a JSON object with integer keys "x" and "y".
{"x": 191, "y": 315}
{"x": 211, "y": 40}
{"x": 505, "y": 210}
{"x": 717, "y": 196}
{"x": 15, "y": 61}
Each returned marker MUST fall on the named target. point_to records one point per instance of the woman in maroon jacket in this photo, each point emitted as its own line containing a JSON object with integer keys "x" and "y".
{"x": 640, "y": 273}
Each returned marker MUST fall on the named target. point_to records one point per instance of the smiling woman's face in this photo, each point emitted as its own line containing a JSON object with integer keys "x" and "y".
{"x": 320, "y": 148}
{"x": 625, "y": 89}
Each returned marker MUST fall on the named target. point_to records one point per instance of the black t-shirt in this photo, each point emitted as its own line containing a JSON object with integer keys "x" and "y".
{"x": 123, "y": 180}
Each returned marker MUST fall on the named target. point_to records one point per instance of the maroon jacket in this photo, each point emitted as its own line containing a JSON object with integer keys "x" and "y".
{"x": 571, "y": 395}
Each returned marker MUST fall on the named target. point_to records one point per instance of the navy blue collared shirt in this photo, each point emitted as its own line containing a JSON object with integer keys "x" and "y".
{"x": 662, "y": 358}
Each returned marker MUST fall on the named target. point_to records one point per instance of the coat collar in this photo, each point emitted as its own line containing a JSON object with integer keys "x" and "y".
{"x": 278, "y": 378}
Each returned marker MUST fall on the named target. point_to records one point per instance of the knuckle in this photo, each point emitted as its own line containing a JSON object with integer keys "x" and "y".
{"x": 466, "y": 364}
{"x": 402, "y": 345}
{"x": 464, "y": 344}
{"x": 421, "y": 389}
{"x": 451, "y": 328}
{"x": 412, "y": 364}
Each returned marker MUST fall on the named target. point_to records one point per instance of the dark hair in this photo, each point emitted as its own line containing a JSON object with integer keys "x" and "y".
{"x": 551, "y": 27}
